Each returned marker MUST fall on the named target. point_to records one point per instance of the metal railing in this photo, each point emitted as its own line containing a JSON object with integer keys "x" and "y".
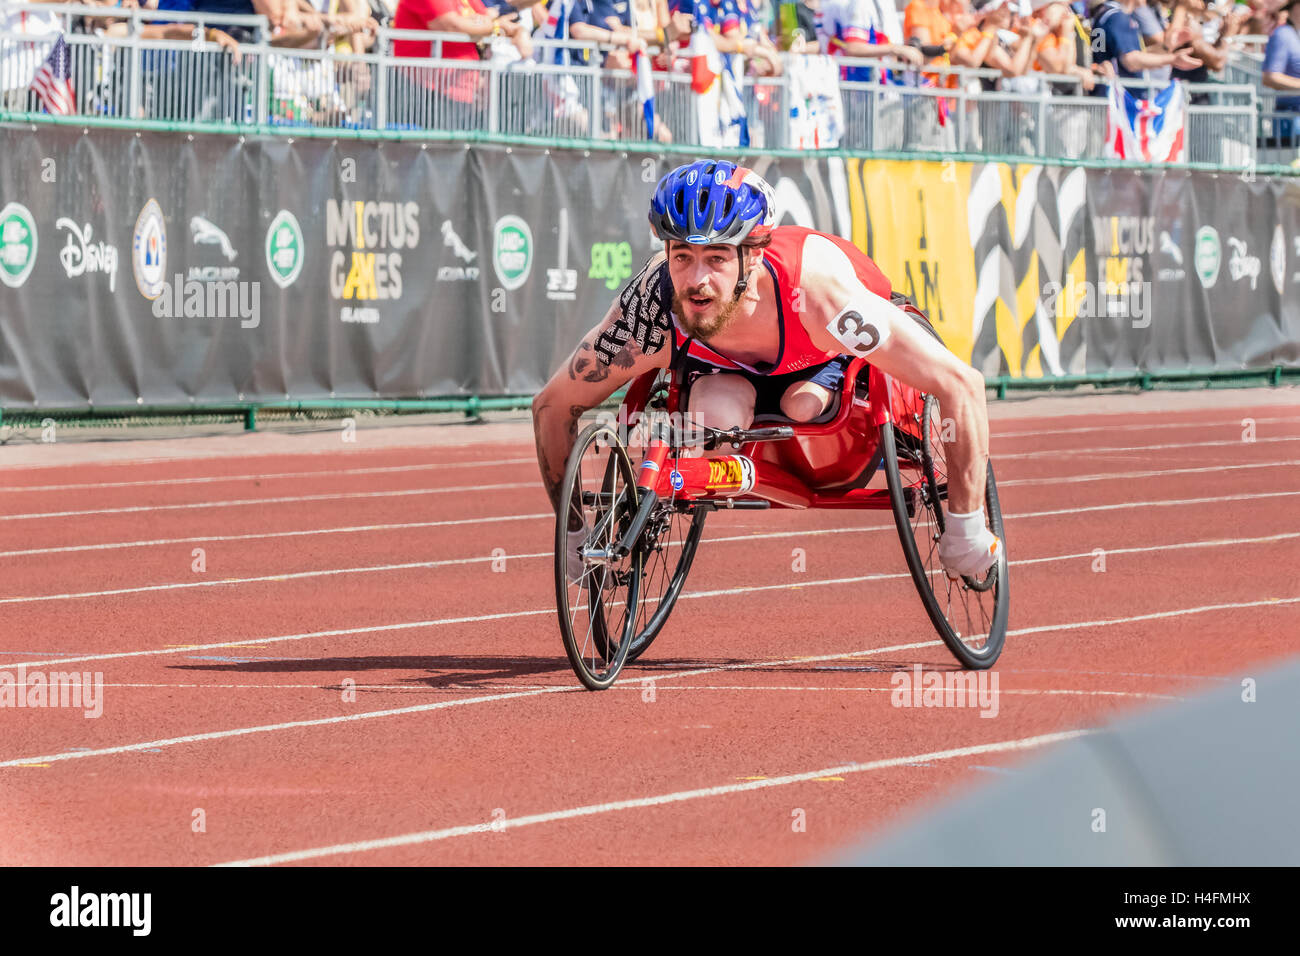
{"x": 132, "y": 78}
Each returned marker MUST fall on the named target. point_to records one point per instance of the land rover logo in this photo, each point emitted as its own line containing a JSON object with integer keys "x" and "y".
{"x": 17, "y": 244}
{"x": 512, "y": 251}
{"x": 1208, "y": 255}
{"x": 284, "y": 249}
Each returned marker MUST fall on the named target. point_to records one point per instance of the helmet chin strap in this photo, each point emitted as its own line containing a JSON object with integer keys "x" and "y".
{"x": 743, "y": 282}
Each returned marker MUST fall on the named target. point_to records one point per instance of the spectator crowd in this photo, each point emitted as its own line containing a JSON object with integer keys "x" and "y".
{"x": 1022, "y": 46}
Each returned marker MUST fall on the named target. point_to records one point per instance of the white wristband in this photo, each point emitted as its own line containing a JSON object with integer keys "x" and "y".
{"x": 965, "y": 527}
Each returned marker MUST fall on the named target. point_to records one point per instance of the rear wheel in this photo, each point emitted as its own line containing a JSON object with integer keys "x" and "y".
{"x": 598, "y": 610}
{"x": 969, "y": 614}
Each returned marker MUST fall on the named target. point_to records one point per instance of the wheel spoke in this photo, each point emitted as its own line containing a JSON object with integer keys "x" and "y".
{"x": 960, "y": 612}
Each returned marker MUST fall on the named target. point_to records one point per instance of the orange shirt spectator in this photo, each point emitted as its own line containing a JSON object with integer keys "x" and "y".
{"x": 922, "y": 19}
{"x": 925, "y": 23}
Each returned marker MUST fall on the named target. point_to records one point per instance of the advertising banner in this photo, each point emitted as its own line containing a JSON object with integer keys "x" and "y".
{"x": 170, "y": 269}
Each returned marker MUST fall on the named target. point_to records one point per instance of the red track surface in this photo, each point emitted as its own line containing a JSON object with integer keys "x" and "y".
{"x": 465, "y": 710}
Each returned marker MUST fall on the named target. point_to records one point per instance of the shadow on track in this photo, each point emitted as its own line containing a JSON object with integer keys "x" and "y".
{"x": 442, "y": 671}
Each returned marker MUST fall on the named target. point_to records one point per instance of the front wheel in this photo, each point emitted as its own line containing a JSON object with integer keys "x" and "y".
{"x": 668, "y": 549}
{"x": 970, "y": 615}
{"x": 597, "y": 610}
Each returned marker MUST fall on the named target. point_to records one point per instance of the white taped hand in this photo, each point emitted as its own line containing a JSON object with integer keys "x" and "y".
{"x": 967, "y": 546}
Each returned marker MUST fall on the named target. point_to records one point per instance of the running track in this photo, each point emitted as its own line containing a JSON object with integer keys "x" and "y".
{"x": 225, "y": 690}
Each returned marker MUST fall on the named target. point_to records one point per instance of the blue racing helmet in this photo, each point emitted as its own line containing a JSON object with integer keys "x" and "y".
{"x": 712, "y": 201}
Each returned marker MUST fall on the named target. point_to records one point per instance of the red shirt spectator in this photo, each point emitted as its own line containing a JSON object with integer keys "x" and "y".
{"x": 461, "y": 85}
{"x": 418, "y": 14}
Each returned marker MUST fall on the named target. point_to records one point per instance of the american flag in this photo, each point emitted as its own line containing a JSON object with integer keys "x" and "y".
{"x": 53, "y": 80}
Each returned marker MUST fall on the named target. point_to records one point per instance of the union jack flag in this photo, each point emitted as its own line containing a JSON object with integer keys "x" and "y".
{"x": 1149, "y": 130}
{"x": 53, "y": 80}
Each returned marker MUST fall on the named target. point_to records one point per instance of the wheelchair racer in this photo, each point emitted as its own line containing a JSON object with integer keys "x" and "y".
{"x": 767, "y": 318}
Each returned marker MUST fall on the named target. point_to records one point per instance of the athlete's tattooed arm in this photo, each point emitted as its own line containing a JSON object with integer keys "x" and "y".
{"x": 606, "y": 359}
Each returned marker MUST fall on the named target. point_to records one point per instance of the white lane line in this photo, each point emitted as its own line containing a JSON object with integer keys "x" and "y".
{"x": 691, "y": 595}
{"x": 361, "y": 529}
{"x": 661, "y": 676}
{"x": 262, "y": 579}
{"x": 486, "y": 463}
{"x": 306, "y": 636}
{"x": 1153, "y": 504}
{"x": 419, "y": 708}
{"x": 1141, "y": 426}
{"x": 890, "y": 690}
{"x": 330, "y": 473}
{"x": 917, "y": 645}
{"x": 133, "y": 509}
{"x": 287, "y": 725}
{"x": 157, "y": 542}
{"x": 1006, "y": 483}
{"x": 459, "y": 562}
{"x": 1058, "y": 452}
{"x": 1154, "y": 473}
{"x": 637, "y": 803}
{"x": 529, "y": 484}
{"x": 636, "y": 686}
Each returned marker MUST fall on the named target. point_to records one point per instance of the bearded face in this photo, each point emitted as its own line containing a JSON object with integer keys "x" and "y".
{"x": 704, "y": 283}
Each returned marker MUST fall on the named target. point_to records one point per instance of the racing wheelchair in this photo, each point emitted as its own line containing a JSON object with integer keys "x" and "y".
{"x": 645, "y": 508}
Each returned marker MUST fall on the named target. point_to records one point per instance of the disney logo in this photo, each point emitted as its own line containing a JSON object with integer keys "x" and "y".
{"x": 80, "y": 255}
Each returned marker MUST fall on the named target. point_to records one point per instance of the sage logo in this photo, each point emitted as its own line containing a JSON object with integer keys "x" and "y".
{"x": 1208, "y": 256}
{"x": 149, "y": 250}
{"x": 284, "y": 252}
{"x": 17, "y": 244}
{"x": 611, "y": 261}
{"x": 512, "y": 251}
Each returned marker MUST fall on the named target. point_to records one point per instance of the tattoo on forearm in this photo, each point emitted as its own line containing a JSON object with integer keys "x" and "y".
{"x": 552, "y": 478}
{"x": 584, "y": 365}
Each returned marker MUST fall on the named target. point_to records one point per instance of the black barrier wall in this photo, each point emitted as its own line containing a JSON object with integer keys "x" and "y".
{"x": 162, "y": 269}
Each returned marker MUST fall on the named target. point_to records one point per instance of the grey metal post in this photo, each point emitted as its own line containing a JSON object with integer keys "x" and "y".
{"x": 596, "y": 120}
{"x": 1041, "y": 138}
{"x": 136, "y": 68}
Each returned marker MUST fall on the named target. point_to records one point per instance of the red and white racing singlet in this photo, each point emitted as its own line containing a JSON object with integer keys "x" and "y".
{"x": 783, "y": 259}
{"x": 647, "y": 318}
